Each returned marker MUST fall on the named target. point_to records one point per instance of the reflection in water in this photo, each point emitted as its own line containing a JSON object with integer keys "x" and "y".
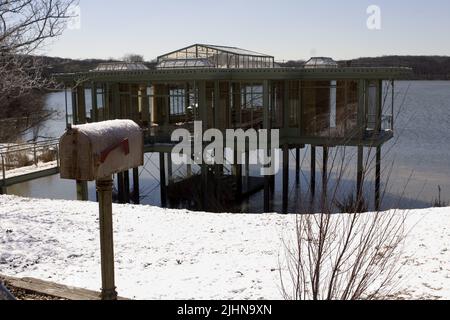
{"x": 419, "y": 157}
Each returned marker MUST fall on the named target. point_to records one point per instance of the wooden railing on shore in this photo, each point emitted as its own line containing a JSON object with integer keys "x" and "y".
{"x": 28, "y": 161}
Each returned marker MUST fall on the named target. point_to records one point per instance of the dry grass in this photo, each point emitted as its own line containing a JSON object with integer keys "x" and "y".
{"x": 18, "y": 160}
{"x": 47, "y": 155}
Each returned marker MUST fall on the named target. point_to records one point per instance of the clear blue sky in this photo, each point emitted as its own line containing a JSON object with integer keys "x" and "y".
{"x": 287, "y": 29}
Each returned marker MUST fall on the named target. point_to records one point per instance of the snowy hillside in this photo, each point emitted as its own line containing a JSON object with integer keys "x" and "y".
{"x": 169, "y": 254}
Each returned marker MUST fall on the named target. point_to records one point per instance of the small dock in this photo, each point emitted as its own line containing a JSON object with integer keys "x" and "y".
{"x": 29, "y": 161}
{"x": 51, "y": 289}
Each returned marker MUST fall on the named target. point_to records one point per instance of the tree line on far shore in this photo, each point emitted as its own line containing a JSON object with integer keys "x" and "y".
{"x": 424, "y": 67}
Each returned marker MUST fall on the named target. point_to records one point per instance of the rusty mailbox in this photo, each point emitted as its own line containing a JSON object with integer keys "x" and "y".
{"x": 95, "y": 152}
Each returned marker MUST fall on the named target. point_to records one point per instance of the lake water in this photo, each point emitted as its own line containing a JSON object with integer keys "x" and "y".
{"x": 418, "y": 158}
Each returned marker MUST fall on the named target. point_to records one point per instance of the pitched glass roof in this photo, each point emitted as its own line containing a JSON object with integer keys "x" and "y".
{"x": 185, "y": 63}
{"x": 321, "y": 62}
{"x": 235, "y": 50}
{"x": 213, "y": 56}
{"x": 120, "y": 66}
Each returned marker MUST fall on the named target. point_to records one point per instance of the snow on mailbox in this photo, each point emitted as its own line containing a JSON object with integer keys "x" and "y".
{"x": 96, "y": 151}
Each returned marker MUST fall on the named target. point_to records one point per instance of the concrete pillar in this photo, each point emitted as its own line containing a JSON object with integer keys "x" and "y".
{"x": 104, "y": 189}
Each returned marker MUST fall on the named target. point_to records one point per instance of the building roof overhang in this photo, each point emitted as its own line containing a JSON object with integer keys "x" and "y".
{"x": 274, "y": 74}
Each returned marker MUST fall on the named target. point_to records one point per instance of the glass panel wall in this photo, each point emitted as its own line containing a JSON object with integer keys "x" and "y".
{"x": 329, "y": 108}
{"x": 203, "y": 56}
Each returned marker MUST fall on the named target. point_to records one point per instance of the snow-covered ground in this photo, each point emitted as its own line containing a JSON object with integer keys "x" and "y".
{"x": 170, "y": 254}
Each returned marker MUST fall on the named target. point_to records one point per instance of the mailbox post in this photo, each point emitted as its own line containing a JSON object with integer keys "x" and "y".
{"x": 104, "y": 189}
{"x": 96, "y": 152}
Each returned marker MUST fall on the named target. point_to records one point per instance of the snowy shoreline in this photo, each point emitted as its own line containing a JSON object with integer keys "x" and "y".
{"x": 177, "y": 254}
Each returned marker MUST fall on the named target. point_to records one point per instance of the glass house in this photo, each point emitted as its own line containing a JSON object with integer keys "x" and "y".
{"x": 212, "y": 56}
{"x": 320, "y": 104}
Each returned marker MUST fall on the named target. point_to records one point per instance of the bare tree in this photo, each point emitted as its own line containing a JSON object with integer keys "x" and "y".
{"x": 133, "y": 58}
{"x": 25, "y": 27}
{"x": 349, "y": 256}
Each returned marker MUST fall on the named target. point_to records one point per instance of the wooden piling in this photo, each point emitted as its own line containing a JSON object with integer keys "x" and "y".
{"x": 204, "y": 187}
{"x": 94, "y": 102}
{"x": 247, "y": 166}
{"x": 136, "y": 190}
{"x": 297, "y": 166}
{"x": 285, "y": 178}
{"x": 144, "y": 106}
{"x": 266, "y": 124}
{"x": 126, "y": 186}
{"x": 169, "y": 168}
{"x": 81, "y": 105}
{"x": 162, "y": 179}
{"x": 313, "y": 170}
{"x": 121, "y": 187}
{"x": 325, "y": 173}
{"x": 378, "y": 180}
{"x": 82, "y": 191}
{"x": 360, "y": 174}
{"x": 238, "y": 174}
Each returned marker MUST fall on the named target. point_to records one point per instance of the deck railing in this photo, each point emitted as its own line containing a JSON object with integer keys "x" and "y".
{"x": 16, "y": 156}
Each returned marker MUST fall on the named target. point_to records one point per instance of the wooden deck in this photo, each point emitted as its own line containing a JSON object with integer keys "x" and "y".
{"x": 52, "y": 289}
{"x": 29, "y": 173}
{"x": 25, "y": 162}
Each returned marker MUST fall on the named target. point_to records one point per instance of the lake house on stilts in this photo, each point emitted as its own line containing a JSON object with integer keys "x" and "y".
{"x": 322, "y": 104}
